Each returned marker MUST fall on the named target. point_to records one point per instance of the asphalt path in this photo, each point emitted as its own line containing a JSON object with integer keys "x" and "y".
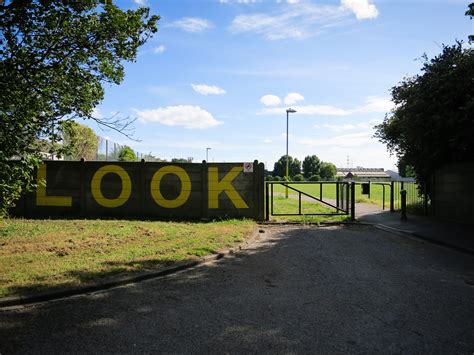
{"x": 352, "y": 289}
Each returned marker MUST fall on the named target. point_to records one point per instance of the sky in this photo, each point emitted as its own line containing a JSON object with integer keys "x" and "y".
{"x": 221, "y": 74}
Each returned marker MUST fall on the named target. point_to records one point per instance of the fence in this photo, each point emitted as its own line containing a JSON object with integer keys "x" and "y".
{"x": 388, "y": 195}
{"x": 145, "y": 190}
{"x": 108, "y": 150}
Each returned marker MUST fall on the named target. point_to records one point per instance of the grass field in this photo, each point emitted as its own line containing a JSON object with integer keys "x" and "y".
{"x": 290, "y": 205}
{"x": 39, "y": 255}
{"x": 376, "y": 193}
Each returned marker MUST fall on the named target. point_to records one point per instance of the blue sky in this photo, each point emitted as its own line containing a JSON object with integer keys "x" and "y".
{"x": 220, "y": 74}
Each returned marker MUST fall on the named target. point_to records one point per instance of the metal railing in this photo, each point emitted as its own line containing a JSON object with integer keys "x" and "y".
{"x": 342, "y": 204}
{"x": 416, "y": 197}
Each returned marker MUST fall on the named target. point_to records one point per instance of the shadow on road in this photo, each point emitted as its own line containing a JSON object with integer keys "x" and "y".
{"x": 299, "y": 289}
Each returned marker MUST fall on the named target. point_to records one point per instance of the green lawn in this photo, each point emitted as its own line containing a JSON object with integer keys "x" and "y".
{"x": 39, "y": 255}
{"x": 290, "y": 205}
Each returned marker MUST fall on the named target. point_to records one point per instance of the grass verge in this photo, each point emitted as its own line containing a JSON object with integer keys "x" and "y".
{"x": 42, "y": 255}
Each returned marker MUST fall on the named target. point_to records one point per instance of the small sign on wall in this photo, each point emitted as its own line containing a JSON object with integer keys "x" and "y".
{"x": 248, "y": 167}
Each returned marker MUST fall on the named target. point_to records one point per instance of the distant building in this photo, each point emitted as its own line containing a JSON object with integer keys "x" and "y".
{"x": 362, "y": 173}
{"x": 393, "y": 175}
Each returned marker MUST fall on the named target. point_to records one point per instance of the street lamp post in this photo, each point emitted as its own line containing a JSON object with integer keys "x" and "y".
{"x": 207, "y": 153}
{"x": 288, "y": 111}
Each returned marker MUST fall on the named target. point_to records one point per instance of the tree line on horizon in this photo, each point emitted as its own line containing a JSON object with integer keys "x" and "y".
{"x": 311, "y": 169}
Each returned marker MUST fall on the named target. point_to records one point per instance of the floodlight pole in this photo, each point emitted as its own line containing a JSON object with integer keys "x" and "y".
{"x": 287, "y": 157}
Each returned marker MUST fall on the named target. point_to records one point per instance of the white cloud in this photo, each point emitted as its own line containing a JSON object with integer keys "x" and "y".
{"x": 267, "y": 141}
{"x": 293, "y": 98}
{"x": 377, "y": 104}
{"x": 344, "y": 141}
{"x": 348, "y": 126}
{"x": 270, "y": 100}
{"x": 239, "y": 1}
{"x": 288, "y": 1}
{"x": 159, "y": 49}
{"x": 192, "y": 24}
{"x": 373, "y": 104}
{"x": 140, "y": 2}
{"x": 342, "y": 127}
{"x": 192, "y": 117}
{"x": 204, "y": 89}
{"x": 299, "y": 20}
{"x": 363, "y": 9}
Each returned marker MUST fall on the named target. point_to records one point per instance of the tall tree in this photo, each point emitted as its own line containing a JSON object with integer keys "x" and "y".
{"x": 328, "y": 170}
{"x": 432, "y": 123}
{"x": 311, "y": 166}
{"x": 55, "y": 57}
{"x": 470, "y": 13}
{"x": 294, "y": 167}
{"x": 78, "y": 141}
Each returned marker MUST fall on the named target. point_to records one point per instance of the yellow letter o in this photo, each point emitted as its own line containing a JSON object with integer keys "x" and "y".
{"x": 185, "y": 186}
{"x": 97, "y": 192}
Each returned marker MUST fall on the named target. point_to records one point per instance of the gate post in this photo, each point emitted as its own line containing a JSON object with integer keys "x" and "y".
{"x": 392, "y": 194}
{"x": 353, "y": 201}
{"x": 403, "y": 194}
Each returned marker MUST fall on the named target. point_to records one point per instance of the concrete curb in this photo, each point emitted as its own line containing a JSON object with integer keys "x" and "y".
{"x": 403, "y": 232}
{"x": 122, "y": 280}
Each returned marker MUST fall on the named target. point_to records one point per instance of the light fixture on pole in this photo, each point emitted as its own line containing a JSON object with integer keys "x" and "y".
{"x": 288, "y": 111}
{"x": 207, "y": 154}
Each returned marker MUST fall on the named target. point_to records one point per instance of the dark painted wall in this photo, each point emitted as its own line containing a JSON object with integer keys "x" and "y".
{"x": 145, "y": 190}
{"x": 454, "y": 193}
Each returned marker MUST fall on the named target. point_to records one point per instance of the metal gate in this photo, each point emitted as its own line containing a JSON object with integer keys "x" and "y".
{"x": 337, "y": 196}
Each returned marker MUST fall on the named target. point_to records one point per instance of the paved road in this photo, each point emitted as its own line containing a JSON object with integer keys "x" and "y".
{"x": 298, "y": 289}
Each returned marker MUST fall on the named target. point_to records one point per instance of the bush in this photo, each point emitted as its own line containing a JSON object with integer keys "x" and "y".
{"x": 269, "y": 178}
{"x": 298, "y": 177}
{"x": 277, "y": 178}
{"x": 314, "y": 177}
